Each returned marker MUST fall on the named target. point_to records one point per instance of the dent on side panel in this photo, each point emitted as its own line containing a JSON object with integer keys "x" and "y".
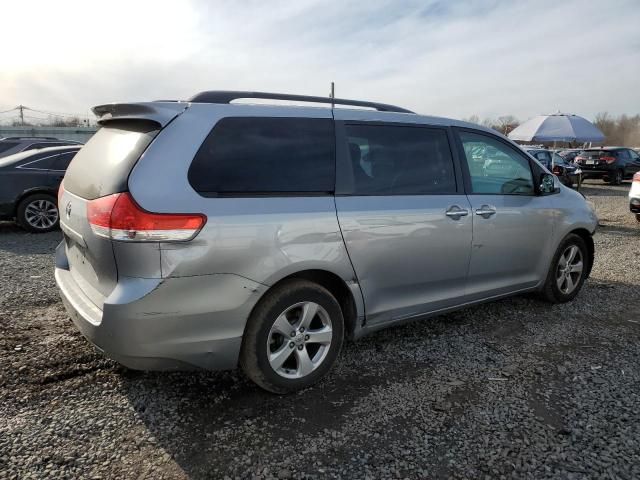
{"x": 263, "y": 239}
{"x": 140, "y": 260}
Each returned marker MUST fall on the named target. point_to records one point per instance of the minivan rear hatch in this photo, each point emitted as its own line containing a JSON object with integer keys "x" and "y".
{"x": 102, "y": 168}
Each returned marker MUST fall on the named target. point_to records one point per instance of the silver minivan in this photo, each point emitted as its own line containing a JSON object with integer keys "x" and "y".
{"x": 213, "y": 233}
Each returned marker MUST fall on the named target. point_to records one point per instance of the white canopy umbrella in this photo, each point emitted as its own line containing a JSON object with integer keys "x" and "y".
{"x": 557, "y": 127}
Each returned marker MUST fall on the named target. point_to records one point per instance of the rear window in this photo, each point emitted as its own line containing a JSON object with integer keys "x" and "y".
{"x": 400, "y": 160}
{"x": 259, "y": 155}
{"x": 4, "y": 146}
{"x": 103, "y": 165}
{"x": 598, "y": 153}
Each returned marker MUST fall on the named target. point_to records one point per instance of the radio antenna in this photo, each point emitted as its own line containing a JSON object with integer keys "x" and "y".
{"x": 333, "y": 94}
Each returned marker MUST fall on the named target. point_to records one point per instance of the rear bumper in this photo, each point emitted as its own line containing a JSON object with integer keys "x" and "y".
{"x": 166, "y": 324}
{"x": 595, "y": 172}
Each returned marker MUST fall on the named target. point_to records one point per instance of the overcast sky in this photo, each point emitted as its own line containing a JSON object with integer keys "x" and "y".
{"x": 447, "y": 58}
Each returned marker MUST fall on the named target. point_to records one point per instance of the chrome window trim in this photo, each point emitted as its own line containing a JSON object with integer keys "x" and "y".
{"x": 24, "y": 165}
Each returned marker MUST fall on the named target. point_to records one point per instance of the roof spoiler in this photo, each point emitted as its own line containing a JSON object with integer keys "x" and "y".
{"x": 159, "y": 112}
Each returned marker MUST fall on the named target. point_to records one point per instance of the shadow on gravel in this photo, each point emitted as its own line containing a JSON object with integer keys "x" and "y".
{"x": 205, "y": 420}
{"x": 17, "y": 241}
{"x": 222, "y": 414}
{"x": 617, "y": 229}
{"x": 606, "y": 190}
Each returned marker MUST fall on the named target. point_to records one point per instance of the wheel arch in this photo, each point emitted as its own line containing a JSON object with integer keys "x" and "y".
{"x": 33, "y": 191}
{"x": 588, "y": 240}
{"x": 352, "y": 310}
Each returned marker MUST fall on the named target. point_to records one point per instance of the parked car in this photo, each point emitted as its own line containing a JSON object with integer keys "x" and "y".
{"x": 570, "y": 154}
{"x": 634, "y": 196}
{"x": 612, "y": 164}
{"x": 556, "y": 164}
{"x": 207, "y": 234}
{"x": 29, "y": 184}
{"x": 11, "y": 145}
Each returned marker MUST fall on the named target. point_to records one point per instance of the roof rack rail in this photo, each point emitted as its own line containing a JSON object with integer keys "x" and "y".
{"x": 227, "y": 96}
{"x": 26, "y": 137}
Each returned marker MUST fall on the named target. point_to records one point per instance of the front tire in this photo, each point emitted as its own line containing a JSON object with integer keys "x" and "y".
{"x": 568, "y": 270}
{"x": 38, "y": 213}
{"x": 293, "y": 337}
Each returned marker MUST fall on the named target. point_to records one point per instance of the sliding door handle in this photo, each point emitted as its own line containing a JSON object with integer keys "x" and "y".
{"x": 485, "y": 211}
{"x": 456, "y": 212}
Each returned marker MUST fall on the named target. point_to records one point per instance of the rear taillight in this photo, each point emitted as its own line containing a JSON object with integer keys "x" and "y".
{"x": 578, "y": 159}
{"x": 60, "y": 194}
{"x": 119, "y": 217}
{"x": 636, "y": 177}
{"x": 608, "y": 159}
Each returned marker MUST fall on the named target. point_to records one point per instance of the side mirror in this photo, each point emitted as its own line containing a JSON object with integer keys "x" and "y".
{"x": 547, "y": 184}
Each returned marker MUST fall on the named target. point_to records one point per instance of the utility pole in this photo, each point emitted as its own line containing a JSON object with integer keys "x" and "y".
{"x": 21, "y": 107}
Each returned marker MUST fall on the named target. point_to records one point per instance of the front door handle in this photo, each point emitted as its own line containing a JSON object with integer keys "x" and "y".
{"x": 485, "y": 211}
{"x": 456, "y": 212}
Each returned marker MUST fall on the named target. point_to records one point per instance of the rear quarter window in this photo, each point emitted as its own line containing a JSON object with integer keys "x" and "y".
{"x": 103, "y": 165}
{"x": 62, "y": 161}
{"x": 4, "y": 146}
{"x": 266, "y": 156}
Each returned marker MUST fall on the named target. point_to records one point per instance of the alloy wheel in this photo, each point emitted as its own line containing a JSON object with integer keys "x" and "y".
{"x": 41, "y": 214}
{"x": 299, "y": 340}
{"x": 569, "y": 269}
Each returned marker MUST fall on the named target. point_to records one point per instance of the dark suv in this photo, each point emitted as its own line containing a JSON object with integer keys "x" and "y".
{"x": 612, "y": 164}
{"x": 29, "y": 183}
{"x": 11, "y": 145}
{"x": 566, "y": 172}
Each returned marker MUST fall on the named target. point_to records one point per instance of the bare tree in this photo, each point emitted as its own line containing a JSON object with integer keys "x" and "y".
{"x": 66, "y": 122}
{"x": 472, "y": 119}
{"x": 623, "y": 131}
{"x": 506, "y": 123}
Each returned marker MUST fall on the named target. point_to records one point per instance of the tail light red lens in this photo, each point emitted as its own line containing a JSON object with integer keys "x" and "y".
{"x": 60, "y": 194}
{"x": 578, "y": 159}
{"x": 608, "y": 159}
{"x": 636, "y": 177}
{"x": 119, "y": 217}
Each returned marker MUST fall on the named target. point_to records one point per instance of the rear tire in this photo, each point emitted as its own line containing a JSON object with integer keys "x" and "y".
{"x": 568, "y": 270}
{"x": 617, "y": 177}
{"x": 293, "y": 337}
{"x": 38, "y": 213}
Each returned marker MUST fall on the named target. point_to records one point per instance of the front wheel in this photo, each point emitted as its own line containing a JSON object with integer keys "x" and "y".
{"x": 568, "y": 270}
{"x": 38, "y": 213}
{"x": 293, "y": 337}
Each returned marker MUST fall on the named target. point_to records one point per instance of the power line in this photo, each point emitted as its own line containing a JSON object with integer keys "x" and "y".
{"x": 55, "y": 114}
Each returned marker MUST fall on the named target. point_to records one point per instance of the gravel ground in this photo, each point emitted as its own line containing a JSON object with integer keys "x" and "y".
{"x": 514, "y": 389}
